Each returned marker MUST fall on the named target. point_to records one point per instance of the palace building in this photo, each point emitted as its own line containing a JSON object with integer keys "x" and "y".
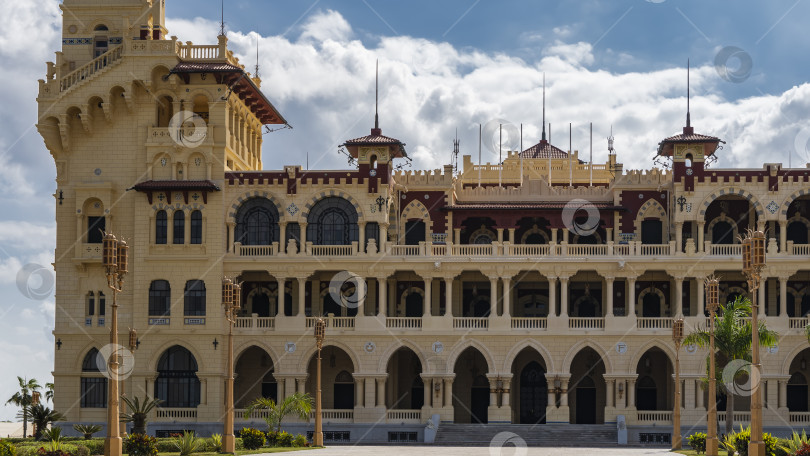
{"x": 541, "y": 290}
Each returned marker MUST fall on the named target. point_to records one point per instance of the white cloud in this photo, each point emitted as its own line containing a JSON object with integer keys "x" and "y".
{"x": 325, "y": 26}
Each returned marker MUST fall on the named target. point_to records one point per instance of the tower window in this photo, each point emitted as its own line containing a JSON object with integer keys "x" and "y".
{"x": 194, "y": 299}
{"x": 95, "y": 229}
{"x": 196, "y": 227}
{"x": 688, "y": 160}
{"x": 179, "y": 227}
{"x": 161, "y": 227}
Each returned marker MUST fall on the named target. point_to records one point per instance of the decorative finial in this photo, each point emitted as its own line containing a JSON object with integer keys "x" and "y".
{"x": 257, "y": 55}
{"x": 688, "y": 119}
{"x": 222, "y": 18}
{"x": 376, "y": 95}
{"x": 543, "y": 138}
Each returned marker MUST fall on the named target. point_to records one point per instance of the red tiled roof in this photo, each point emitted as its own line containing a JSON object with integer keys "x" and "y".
{"x": 688, "y": 136}
{"x": 151, "y": 185}
{"x": 240, "y": 83}
{"x": 543, "y": 149}
{"x": 517, "y": 206}
{"x": 376, "y": 138}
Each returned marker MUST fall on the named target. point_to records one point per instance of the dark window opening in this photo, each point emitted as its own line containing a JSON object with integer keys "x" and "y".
{"x": 194, "y": 299}
{"x": 159, "y": 298}
{"x": 179, "y": 234}
{"x": 177, "y": 384}
{"x": 196, "y": 227}
{"x": 95, "y": 229}
{"x": 161, "y": 227}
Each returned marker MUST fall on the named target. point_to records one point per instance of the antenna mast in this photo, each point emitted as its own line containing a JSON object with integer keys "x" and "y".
{"x": 610, "y": 142}
{"x": 376, "y": 95}
{"x": 455, "y": 152}
{"x": 257, "y": 55}
{"x": 543, "y": 138}
{"x": 688, "y": 119}
{"x": 222, "y": 20}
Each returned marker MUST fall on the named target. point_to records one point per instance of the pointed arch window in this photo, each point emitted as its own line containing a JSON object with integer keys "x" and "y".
{"x": 161, "y": 227}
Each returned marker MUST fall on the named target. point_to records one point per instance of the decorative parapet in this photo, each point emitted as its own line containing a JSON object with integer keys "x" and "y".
{"x": 425, "y": 178}
{"x": 646, "y": 177}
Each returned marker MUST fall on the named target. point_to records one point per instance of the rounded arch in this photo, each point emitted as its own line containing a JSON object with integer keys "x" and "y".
{"x": 385, "y": 357}
{"x": 316, "y": 197}
{"x": 534, "y": 230}
{"x": 416, "y": 210}
{"x": 199, "y": 93}
{"x": 652, "y": 209}
{"x": 333, "y": 220}
{"x": 661, "y": 296}
{"x": 407, "y": 292}
{"x": 240, "y": 350}
{"x": 257, "y": 221}
{"x": 157, "y": 354}
{"x": 480, "y": 235}
{"x": 459, "y": 349}
{"x": 528, "y": 343}
{"x": 734, "y": 191}
{"x": 791, "y": 356}
{"x": 578, "y": 347}
{"x": 307, "y": 355}
{"x": 789, "y": 200}
{"x": 647, "y": 346}
{"x": 723, "y": 218}
{"x": 237, "y": 202}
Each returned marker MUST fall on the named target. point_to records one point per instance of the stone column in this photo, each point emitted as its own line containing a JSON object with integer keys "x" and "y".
{"x": 358, "y": 392}
{"x": 700, "y": 290}
{"x": 552, "y": 296}
{"x": 448, "y": 297}
{"x": 383, "y": 237}
{"x": 361, "y": 239}
{"x": 631, "y": 393}
{"x": 783, "y": 282}
{"x": 493, "y": 296}
{"x": 493, "y": 394}
{"x": 631, "y": 296}
{"x": 554, "y": 235}
{"x": 280, "y": 297}
{"x": 506, "y": 295}
{"x": 678, "y": 237}
{"x": 678, "y": 297}
{"x": 782, "y": 236}
{"x": 303, "y": 229}
{"x": 700, "y": 235}
{"x": 783, "y": 394}
{"x": 610, "y": 388}
{"x": 428, "y": 392}
{"x": 448, "y": 392}
{"x": 289, "y": 386}
{"x": 505, "y": 401}
{"x": 282, "y": 236}
{"x": 382, "y": 296}
{"x": 370, "y": 392}
{"x": 231, "y": 229}
{"x": 689, "y": 393}
{"x": 302, "y": 296}
{"x": 564, "y": 393}
{"x": 500, "y": 234}
{"x": 701, "y": 403}
{"x": 381, "y": 392}
{"x": 563, "y": 296}
{"x": 511, "y": 235}
{"x": 302, "y": 384}
{"x": 427, "y": 301}
{"x": 609, "y": 297}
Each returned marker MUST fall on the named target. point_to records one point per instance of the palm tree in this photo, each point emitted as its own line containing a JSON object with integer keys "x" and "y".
{"x": 24, "y": 398}
{"x": 138, "y": 412}
{"x": 732, "y": 340}
{"x": 41, "y": 417}
{"x": 299, "y": 404}
{"x": 49, "y": 392}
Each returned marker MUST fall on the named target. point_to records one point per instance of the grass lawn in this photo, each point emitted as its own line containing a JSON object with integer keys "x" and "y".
{"x": 241, "y": 452}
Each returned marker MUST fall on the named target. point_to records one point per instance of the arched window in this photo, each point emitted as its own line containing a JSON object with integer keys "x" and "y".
{"x": 332, "y": 221}
{"x": 688, "y": 160}
{"x": 159, "y": 298}
{"x": 373, "y": 232}
{"x": 179, "y": 227}
{"x": 194, "y": 299}
{"x": 95, "y": 229}
{"x": 257, "y": 222}
{"x": 100, "y": 42}
{"x": 196, "y": 227}
{"x": 93, "y": 388}
{"x": 344, "y": 390}
{"x": 161, "y": 227}
{"x": 177, "y": 384}
{"x": 91, "y": 304}
{"x": 102, "y": 308}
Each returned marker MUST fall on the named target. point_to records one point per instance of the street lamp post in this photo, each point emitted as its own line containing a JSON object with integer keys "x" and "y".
{"x": 231, "y": 301}
{"x": 712, "y": 303}
{"x": 115, "y": 255}
{"x": 753, "y": 249}
{"x": 677, "y": 337}
{"x": 320, "y": 332}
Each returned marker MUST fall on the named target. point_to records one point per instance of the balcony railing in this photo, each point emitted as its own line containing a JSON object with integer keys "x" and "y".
{"x": 474, "y": 249}
{"x": 654, "y": 323}
{"x": 335, "y": 415}
{"x": 739, "y": 417}
{"x": 654, "y": 417}
{"x": 172, "y": 414}
{"x": 475, "y": 323}
{"x": 801, "y": 249}
{"x": 333, "y": 322}
{"x": 528, "y": 250}
{"x": 405, "y": 250}
{"x": 799, "y": 417}
{"x": 403, "y": 322}
{"x": 725, "y": 249}
{"x": 586, "y": 323}
{"x": 255, "y": 322}
{"x": 404, "y": 416}
{"x": 529, "y": 323}
{"x": 798, "y": 322}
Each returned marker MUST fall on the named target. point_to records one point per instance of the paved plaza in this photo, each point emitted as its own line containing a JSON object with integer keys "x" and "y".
{"x": 478, "y": 451}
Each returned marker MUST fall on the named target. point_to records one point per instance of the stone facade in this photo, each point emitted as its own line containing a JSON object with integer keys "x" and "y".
{"x": 542, "y": 289}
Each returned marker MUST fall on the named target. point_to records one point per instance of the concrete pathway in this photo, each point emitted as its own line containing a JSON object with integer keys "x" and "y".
{"x": 477, "y": 451}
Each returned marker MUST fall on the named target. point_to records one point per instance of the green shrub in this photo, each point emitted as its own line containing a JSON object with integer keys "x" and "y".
{"x": 272, "y": 438}
{"x": 82, "y": 450}
{"x": 87, "y": 430}
{"x": 299, "y": 441}
{"x": 7, "y": 448}
{"x": 698, "y": 442}
{"x": 95, "y": 446}
{"x": 215, "y": 444}
{"x": 26, "y": 451}
{"x": 285, "y": 439}
{"x": 188, "y": 443}
{"x": 738, "y": 442}
{"x": 44, "y": 452}
{"x": 252, "y": 439}
{"x": 140, "y": 445}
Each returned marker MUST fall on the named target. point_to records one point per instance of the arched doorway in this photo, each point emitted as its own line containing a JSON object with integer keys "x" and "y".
{"x": 404, "y": 388}
{"x": 414, "y": 232}
{"x": 413, "y": 304}
{"x": 651, "y": 305}
{"x": 586, "y": 388}
{"x": 652, "y": 232}
{"x": 337, "y": 381}
{"x": 471, "y": 388}
{"x": 529, "y": 388}
{"x": 798, "y": 399}
{"x": 655, "y": 384}
{"x": 177, "y": 384}
{"x": 253, "y": 377}
{"x": 797, "y": 232}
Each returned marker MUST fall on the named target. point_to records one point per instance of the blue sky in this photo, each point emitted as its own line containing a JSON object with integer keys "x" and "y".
{"x": 444, "y": 66}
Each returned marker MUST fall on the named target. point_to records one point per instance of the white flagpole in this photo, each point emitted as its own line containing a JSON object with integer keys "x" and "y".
{"x": 521, "y": 153}
{"x": 479, "y": 155}
{"x": 500, "y": 152}
{"x": 590, "y": 158}
{"x": 570, "y": 151}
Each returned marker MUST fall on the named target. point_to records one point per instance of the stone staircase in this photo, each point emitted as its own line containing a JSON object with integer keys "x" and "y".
{"x": 566, "y": 435}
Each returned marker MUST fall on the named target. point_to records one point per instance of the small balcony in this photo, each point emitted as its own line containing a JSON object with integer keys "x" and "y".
{"x": 471, "y": 323}
{"x": 345, "y": 323}
{"x": 175, "y": 414}
{"x": 654, "y": 417}
{"x": 586, "y": 323}
{"x": 255, "y": 322}
{"x": 535, "y": 323}
{"x": 404, "y": 416}
{"x": 407, "y": 323}
{"x": 654, "y": 323}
